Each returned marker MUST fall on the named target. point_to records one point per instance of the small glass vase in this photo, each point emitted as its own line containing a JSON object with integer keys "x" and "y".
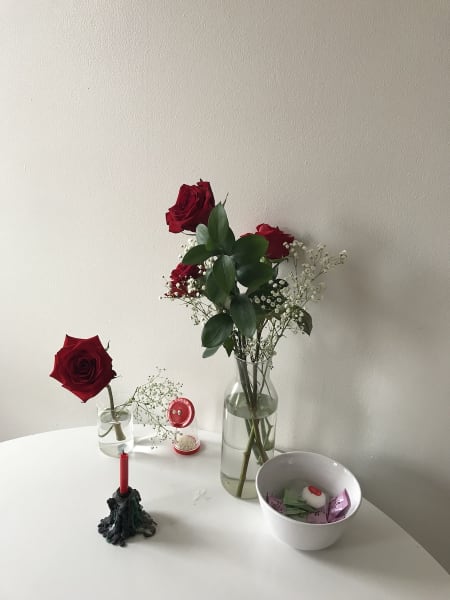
{"x": 114, "y": 427}
{"x": 248, "y": 430}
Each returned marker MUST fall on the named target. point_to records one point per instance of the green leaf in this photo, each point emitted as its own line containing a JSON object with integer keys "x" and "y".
{"x": 202, "y": 235}
{"x": 210, "y": 351}
{"x": 261, "y": 313}
{"x": 218, "y": 225}
{"x": 214, "y": 291}
{"x": 243, "y": 315}
{"x": 229, "y": 345}
{"x": 216, "y": 330}
{"x": 225, "y": 247}
{"x": 305, "y": 322}
{"x": 211, "y": 246}
{"x": 250, "y": 249}
{"x": 254, "y": 275}
{"x": 229, "y": 242}
{"x": 196, "y": 255}
{"x": 225, "y": 273}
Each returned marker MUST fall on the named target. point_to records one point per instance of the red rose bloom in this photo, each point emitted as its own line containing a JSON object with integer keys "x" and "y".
{"x": 83, "y": 367}
{"x": 179, "y": 280}
{"x": 276, "y": 239}
{"x": 193, "y": 205}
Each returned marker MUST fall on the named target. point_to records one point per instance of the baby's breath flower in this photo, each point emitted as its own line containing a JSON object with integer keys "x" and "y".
{"x": 150, "y": 402}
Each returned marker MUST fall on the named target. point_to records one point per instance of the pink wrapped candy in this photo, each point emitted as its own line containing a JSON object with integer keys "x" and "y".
{"x": 338, "y": 507}
{"x": 317, "y": 517}
{"x": 276, "y": 503}
{"x": 334, "y": 510}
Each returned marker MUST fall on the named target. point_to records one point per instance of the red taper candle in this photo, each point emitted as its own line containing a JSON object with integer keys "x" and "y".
{"x": 123, "y": 473}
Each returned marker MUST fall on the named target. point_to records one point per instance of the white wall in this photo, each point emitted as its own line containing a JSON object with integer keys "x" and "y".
{"x": 327, "y": 118}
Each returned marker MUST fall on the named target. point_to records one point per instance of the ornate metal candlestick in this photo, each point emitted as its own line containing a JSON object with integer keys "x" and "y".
{"x": 127, "y": 517}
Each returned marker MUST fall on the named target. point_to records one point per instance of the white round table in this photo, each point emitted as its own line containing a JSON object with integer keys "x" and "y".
{"x": 208, "y": 544}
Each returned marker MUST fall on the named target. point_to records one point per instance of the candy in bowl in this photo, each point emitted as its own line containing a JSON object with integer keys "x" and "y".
{"x": 307, "y": 499}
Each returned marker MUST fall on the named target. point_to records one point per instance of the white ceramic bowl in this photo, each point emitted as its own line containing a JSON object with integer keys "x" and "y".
{"x": 312, "y": 469}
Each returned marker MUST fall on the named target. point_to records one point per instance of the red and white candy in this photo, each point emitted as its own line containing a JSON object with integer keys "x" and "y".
{"x": 314, "y": 497}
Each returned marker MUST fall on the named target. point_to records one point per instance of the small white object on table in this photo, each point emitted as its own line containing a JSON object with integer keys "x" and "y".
{"x": 207, "y": 545}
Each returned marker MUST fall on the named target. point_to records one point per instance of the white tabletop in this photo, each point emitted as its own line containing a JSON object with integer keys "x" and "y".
{"x": 208, "y": 544}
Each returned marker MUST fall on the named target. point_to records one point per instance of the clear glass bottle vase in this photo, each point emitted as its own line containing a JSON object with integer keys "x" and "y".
{"x": 248, "y": 430}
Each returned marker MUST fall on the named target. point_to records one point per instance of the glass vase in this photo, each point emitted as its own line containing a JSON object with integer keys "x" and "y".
{"x": 248, "y": 430}
{"x": 114, "y": 427}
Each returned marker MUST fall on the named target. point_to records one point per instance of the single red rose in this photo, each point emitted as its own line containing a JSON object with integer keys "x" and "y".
{"x": 277, "y": 240}
{"x": 83, "y": 367}
{"x": 193, "y": 205}
{"x": 179, "y": 280}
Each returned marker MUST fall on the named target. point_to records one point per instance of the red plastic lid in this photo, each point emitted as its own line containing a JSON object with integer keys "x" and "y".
{"x": 181, "y": 412}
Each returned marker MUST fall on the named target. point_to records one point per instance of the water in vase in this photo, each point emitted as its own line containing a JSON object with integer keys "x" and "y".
{"x": 237, "y": 475}
{"x": 115, "y": 431}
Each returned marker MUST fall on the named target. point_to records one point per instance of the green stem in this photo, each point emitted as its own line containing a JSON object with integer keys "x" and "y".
{"x": 120, "y": 436}
{"x": 255, "y": 443}
{"x": 252, "y": 402}
{"x": 244, "y": 467}
{"x": 102, "y": 435}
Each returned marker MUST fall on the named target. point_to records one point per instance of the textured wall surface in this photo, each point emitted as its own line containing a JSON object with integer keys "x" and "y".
{"x": 329, "y": 119}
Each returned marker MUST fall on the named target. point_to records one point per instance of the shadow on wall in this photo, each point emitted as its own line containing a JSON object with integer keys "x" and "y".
{"x": 372, "y": 387}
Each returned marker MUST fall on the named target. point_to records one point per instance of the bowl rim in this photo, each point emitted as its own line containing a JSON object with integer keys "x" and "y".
{"x": 295, "y": 522}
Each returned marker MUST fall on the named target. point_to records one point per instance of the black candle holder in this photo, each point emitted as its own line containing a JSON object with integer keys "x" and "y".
{"x": 126, "y": 519}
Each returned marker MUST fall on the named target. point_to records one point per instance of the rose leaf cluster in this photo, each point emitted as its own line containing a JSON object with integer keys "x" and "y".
{"x": 238, "y": 267}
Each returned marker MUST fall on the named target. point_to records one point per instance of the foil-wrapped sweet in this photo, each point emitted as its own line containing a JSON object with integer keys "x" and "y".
{"x": 319, "y": 511}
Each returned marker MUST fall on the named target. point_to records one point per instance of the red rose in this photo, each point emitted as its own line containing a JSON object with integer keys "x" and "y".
{"x": 83, "y": 366}
{"x": 179, "y": 280}
{"x": 276, "y": 239}
{"x": 193, "y": 205}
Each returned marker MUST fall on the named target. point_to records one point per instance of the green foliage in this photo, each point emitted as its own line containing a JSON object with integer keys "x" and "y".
{"x": 305, "y": 321}
{"x": 254, "y": 275}
{"x": 237, "y": 262}
{"x": 218, "y": 226}
{"x": 243, "y": 315}
{"x": 229, "y": 242}
{"x": 210, "y": 351}
{"x": 202, "y": 234}
{"x": 249, "y": 249}
{"x": 214, "y": 292}
{"x": 225, "y": 273}
{"x": 197, "y": 255}
{"x": 216, "y": 330}
{"x": 229, "y": 345}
